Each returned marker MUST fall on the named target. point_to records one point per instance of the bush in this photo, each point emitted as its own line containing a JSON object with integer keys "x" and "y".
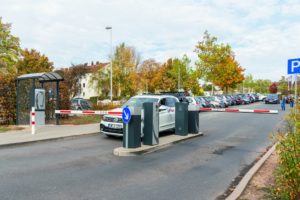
{"x": 287, "y": 174}
{"x": 7, "y": 99}
{"x": 108, "y": 106}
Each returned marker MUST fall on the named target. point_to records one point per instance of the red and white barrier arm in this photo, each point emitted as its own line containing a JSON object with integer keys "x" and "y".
{"x": 239, "y": 110}
{"x": 33, "y": 120}
{"x": 88, "y": 112}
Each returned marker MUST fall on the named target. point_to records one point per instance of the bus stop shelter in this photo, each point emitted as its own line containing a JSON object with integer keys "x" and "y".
{"x": 26, "y": 86}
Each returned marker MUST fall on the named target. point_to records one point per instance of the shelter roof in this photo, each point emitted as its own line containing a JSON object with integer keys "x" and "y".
{"x": 42, "y": 77}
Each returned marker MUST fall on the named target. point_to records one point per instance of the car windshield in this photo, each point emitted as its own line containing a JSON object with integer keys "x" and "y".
{"x": 272, "y": 96}
{"x": 138, "y": 101}
{"x": 198, "y": 99}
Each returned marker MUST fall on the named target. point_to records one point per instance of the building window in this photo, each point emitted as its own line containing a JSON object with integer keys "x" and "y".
{"x": 83, "y": 85}
{"x": 84, "y": 94}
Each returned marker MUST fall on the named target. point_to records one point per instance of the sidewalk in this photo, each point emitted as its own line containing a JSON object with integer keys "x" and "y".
{"x": 47, "y": 132}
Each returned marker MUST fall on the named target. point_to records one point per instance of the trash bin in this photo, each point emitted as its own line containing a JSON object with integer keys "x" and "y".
{"x": 181, "y": 118}
{"x": 150, "y": 123}
{"x": 193, "y": 119}
{"x": 132, "y": 129}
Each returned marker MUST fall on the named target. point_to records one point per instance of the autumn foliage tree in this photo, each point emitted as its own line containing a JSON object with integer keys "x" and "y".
{"x": 9, "y": 56}
{"x": 216, "y": 63}
{"x": 9, "y": 49}
{"x": 147, "y": 71}
{"x": 33, "y": 62}
{"x": 125, "y": 67}
{"x": 72, "y": 75}
{"x": 228, "y": 74}
{"x": 7, "y": 99}
{"x": 273, "y": 88}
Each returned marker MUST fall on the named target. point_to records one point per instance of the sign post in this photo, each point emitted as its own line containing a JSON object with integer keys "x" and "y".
{"x": 126, "y": 116}
{"x": 294, "y": 68}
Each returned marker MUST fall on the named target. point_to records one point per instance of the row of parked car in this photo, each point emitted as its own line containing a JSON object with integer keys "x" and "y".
{"x": 223, "y": 101}
{"x": 112, "y": 125}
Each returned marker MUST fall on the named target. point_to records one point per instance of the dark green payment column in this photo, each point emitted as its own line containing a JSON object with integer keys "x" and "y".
{"x": 131, "y": 127}
{"x": 181, "y": 118}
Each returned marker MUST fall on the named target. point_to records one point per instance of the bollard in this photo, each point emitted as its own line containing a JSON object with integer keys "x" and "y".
{"x": 132, "y": 129}
{"x": 193, "y": 118}
{"x": 150, "y": 121}
{"x": 32, "y": 120}
{"x": 181, "y": 118}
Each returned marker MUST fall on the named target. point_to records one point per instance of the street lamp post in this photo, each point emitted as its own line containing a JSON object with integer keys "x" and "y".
{"x": 110, "y": 28}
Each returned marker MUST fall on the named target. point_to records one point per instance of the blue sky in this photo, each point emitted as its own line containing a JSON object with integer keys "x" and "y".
{"x": 263, "y": 33}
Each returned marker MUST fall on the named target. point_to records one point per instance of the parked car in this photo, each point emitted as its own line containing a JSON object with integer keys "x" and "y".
{"x": 244, "y": 98}
{"x": 220, "y": 101}
{"x": 112, "y": 125}
{"x": 80, "y": 104}
{"x": 226, "y": 101}
{"x": 272, "y": 98}
{"x": 256, "y": 97}
{"x": 261, "y": 97}
{"x": 194, "y": 101}
{"x": 180, "y": 95}
{"x": 238, "y": 99}
{"x": 231, "y": 99}
{"x": 251, "y": 98}
{"x": 212, "y": 102}
{"x": 204, "y": 102}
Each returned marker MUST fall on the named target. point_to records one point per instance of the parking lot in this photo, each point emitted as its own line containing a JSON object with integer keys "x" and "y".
{"x": 85, "y": 168}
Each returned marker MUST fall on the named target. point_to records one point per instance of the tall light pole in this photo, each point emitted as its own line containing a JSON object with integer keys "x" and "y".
{"x": 110, "y": 28}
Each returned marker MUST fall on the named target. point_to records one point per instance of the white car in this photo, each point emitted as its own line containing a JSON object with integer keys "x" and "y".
{"x": 194, "y": 101}
{"x": 112, "y": 125}
{"x": 261, "y": 97}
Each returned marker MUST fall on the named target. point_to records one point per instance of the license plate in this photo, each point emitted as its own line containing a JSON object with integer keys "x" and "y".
{"x": 116, "y": 126}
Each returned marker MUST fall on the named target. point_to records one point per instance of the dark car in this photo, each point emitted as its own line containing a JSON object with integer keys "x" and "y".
{"x": 251, "y": 98}
{"x": 272, "y": 98}
{"x": 205, "y": 103}
{"x": 231, "y": 99}
{"x": 238, "y": 99}
{"x": 80, "y": 104}
{"x": 244, "y": 99}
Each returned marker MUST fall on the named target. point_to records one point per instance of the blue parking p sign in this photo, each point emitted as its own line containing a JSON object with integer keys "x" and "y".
{"x": 294, "y": 66}
{"x": 126, "y": 115}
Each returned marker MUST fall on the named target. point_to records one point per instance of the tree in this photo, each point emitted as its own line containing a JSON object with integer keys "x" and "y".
{"x": 9, "y": 49}
{"x": 228, "y": 74}
{"x": 180, "y": 72}
{"x": 33, "y": 62}
{"x": 101, "y": 80}
{"x": 210, "y": 55}
{"x": 72, "y": 76}
{"x": 163, "y": 79}
{"x": 273, "y": 88}
{"x": 249, "y": 83}
{"x": 283, "y": 86}
{"x": 216, "y": 63}
{"x": 7, "y": 98}
{"x": 148, "y": 70}
{"x": 125, "y": 66}
{"x": 252, "y": 85}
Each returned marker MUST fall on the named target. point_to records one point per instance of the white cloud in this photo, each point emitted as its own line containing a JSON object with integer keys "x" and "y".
{"x": 263, "y": 34}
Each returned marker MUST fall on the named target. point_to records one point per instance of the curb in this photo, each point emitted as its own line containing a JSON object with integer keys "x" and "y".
{"x": 145, "y": 149}
{"x": 43, "y": 140}
{"x": 239, "y": 189}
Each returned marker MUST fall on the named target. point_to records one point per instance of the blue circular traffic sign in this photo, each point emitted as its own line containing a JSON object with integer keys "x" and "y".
{"x": 126, "y": 115}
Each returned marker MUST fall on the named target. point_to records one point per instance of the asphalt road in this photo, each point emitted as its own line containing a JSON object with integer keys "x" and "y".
{"x": 84, "y": 167}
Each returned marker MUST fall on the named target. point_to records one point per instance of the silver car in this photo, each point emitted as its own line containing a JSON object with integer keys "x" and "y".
{"x": 112, "y": 125}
